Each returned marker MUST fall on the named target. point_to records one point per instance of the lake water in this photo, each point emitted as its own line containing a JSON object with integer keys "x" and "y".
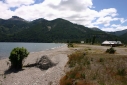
{"x": 6, "y": 48}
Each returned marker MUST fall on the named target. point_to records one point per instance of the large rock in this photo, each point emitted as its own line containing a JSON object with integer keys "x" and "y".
{"x": 44, "y": 63}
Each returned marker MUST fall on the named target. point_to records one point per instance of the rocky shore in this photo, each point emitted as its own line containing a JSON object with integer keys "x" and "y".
{"x": 34, "y": 75}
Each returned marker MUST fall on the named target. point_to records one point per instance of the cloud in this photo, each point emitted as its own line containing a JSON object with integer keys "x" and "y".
{"x": 121, "y": 28}
{"x": 81, "y": 12}
{"x": 18, "y": 3}
{"x": 106, "y": 16}
{"x": 5, "y": 12}
{"x": 108, "y": 12}
{"x": 110, "y": 29}
{"x": 122, "y": 20}
{"x": 74, "y": 5}
{"x": 105, "y": 20}
{"x": 57, "y": 9}
{"x": 114, "y": 27}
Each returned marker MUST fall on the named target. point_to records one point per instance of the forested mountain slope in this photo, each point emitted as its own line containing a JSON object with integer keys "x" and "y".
{"x": 41, "y": 30}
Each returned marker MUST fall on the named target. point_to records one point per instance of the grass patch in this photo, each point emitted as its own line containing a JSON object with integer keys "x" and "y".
{"x": 75, "y": 58}
{"x": 95, "y": 69}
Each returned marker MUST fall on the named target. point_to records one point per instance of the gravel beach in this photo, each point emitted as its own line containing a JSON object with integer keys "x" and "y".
{"x": 33, "y": 75}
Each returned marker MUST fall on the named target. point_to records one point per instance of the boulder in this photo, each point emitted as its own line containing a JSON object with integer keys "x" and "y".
{"x": 44, "y": 63}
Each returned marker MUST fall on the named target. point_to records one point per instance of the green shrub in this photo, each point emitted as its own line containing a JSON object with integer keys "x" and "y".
{"x": 17, "y": 56}
{"x": 111, "y": 50}
{"x": 101, "y": 60}
{"x": 88, "y": 62}
{"x": 83, "y": 75}
{"x": 70, "y": 45}
{"x": 121, "y": 72}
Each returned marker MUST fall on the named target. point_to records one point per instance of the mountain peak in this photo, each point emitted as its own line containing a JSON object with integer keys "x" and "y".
{"x": 16, "y": 18}
{"x": 95, "y": 29}
{"x": 60, "y": 19}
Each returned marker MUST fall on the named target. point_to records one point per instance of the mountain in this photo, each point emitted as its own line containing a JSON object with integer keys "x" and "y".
{"x": 124, "y": 37}
{"x": 41, "y": 30}
{"x": 118, "y": 33}
{"x": 95, "y": 29}
{"x": 12, "y": 26}
{"x": 16, "y": 18}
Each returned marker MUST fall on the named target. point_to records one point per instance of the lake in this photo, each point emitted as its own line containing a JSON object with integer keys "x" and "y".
{"x": 6, "y": 48}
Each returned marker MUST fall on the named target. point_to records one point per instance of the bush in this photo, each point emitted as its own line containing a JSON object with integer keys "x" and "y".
{"x": 111, "y": 50}
{"x": 101, "y": 60}
{"x": 121, "y": 72}
{"x": 17, "y": 56}
{"x": 70, "y": 45}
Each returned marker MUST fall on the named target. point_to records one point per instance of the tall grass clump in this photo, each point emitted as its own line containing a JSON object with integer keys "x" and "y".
{"x": 75, "y": 58}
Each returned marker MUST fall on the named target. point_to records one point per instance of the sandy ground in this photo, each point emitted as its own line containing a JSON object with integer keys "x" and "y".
{"x": 33, "y": 75}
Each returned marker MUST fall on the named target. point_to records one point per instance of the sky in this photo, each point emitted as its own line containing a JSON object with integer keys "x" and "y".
{"x": 107, "y": 15}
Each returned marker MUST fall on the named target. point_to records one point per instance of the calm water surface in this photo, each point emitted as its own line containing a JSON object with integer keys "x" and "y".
{"x": 6, "y": 48}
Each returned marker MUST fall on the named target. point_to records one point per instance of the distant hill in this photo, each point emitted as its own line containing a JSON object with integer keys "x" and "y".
{"x": 118, "y": 33}
{"x": 41, "y": 30}
{"x": 124, "y": 37}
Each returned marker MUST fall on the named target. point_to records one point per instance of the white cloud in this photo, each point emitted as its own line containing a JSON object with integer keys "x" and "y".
{"x": 108, "y": 12}
{"x": 121, "y": 28}
{"x": 114, "y": 27}
{"x": 73, "y": 10}
{"x": 110, "y": 29}
{"x": 105, "y": 20}
{"x": 17, "y": 3}
{"x": 51, "y": 2}
{"x": 74, "y": 5}
{"x": 4, "y": 11}
{"x": 122, "y": 20}
{"x": 58, "y": 9}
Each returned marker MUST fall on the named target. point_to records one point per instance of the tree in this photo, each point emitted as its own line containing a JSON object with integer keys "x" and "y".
{"x": 87, "y": 40}
{"x": 93, "y": 40}
{"x": 17, "y": 56}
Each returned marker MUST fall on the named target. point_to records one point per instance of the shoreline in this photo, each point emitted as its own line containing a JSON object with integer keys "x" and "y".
{"x": 33, "y": 75}
{"x": 1, "y": 58}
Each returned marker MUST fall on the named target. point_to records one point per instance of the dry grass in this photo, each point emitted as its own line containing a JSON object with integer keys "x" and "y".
{"x": 95, "y": 68}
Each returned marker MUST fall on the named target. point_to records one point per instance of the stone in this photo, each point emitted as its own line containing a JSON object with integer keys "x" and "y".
{"x": 44, "y": 63}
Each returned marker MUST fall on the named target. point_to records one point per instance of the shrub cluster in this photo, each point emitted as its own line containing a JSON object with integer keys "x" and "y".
{"x": 17, "y": 56}
{"x": 111, "y": 50}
